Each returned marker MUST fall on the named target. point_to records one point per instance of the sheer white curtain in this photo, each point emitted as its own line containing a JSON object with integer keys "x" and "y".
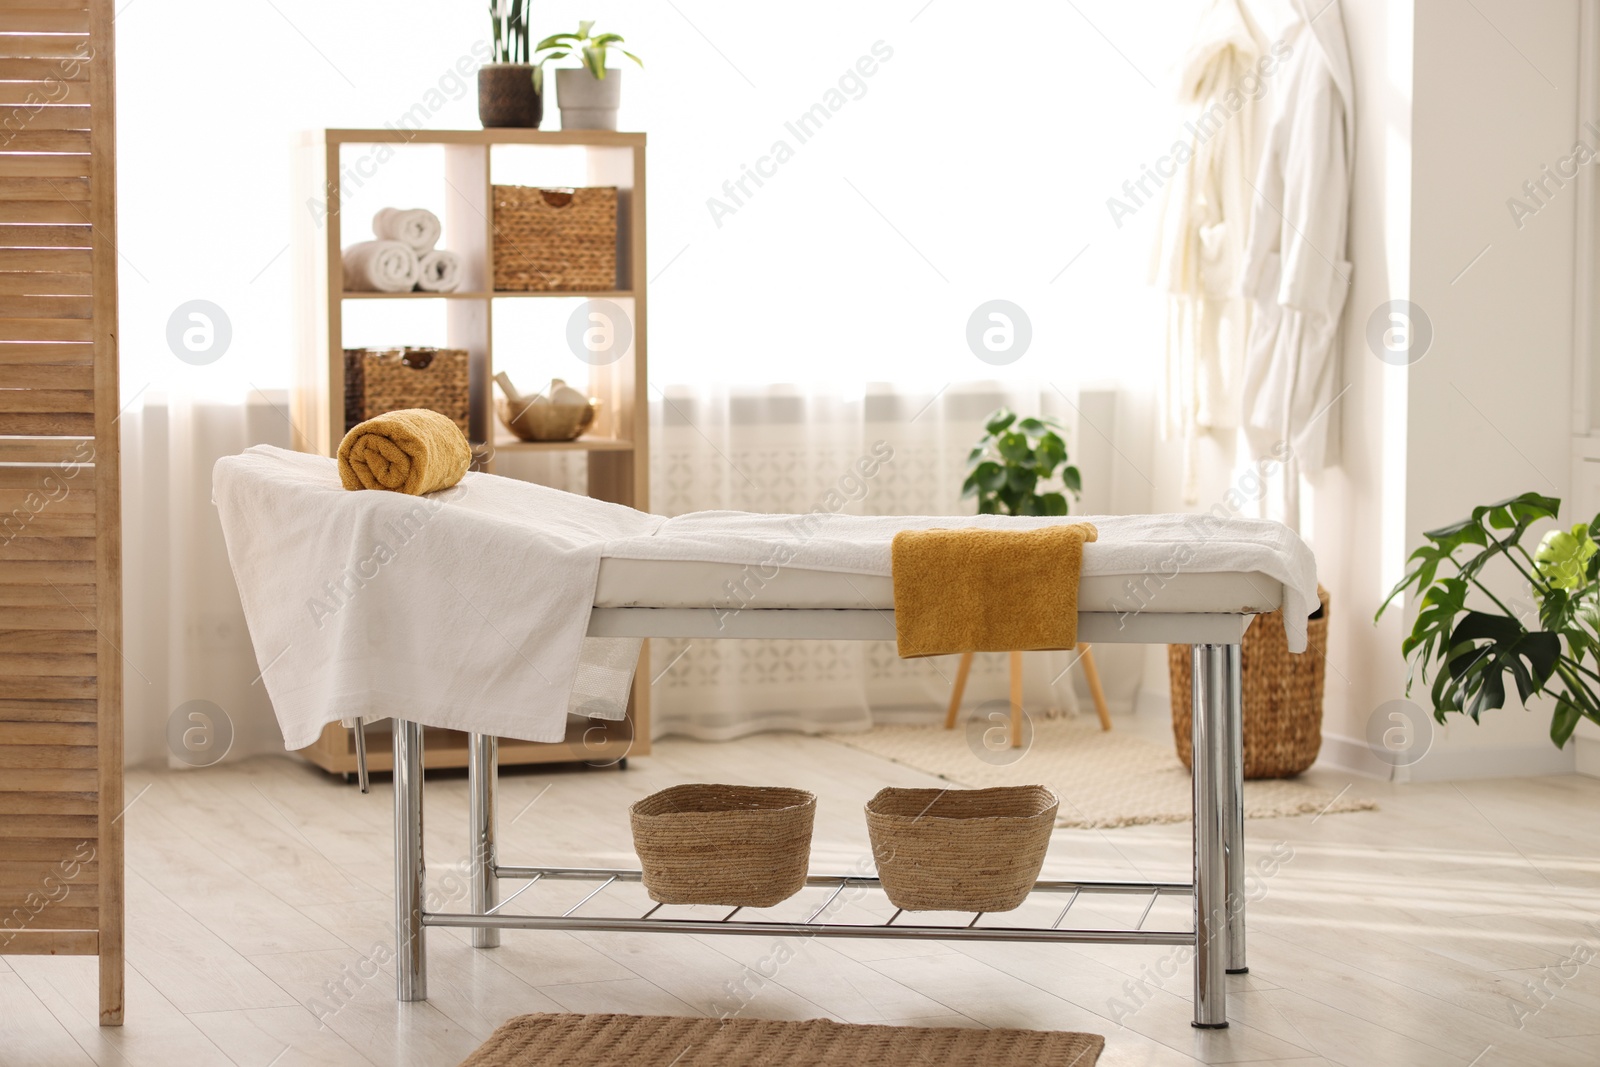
{"x": 912, "y": 188}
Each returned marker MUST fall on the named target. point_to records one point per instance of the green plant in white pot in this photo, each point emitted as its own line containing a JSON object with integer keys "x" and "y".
{"x": 588, "y": 95}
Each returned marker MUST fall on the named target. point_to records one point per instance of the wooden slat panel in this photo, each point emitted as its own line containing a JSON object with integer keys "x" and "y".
{"x": 48, "y": 524}
{"x": 45, "y": 330}
{"x": 48, "y": 45}
{"x": 47, "y": 641}
{"x": 44, "y": 283}
{"x": 14, "y": 664}
{"x": 22, "y": 166}
{"x": 21, "y": 119}
{"x": 67, "y": 915}
{"x": 40, "y": 401}
{"x": 37, "y": 18}
{"x": 36, "y": 352}
{"x": 51, "y": 688}
{"x": 54, "y": 943}
{"x": 44, "y": 376}
{"x": 42, "y": 572}
{"x": 38, "y": 137}
{"x": 77, "y": 827}
{"x": 49, "y": 849}
{"x": 33, "y": 93}
{"x": 31, "y": 476}
{"x": 44, "y": 733}
{"x": 78, "y": 236}
{"x": 74, "y": 189}
{"x": 43, "y": 70}
{"x": 30, "y": 873}
{"x": 53, "y": 595}
{"x": 46, "y": 756}
{"x": 53, "y": 5}
{"x": 62, "y": 618}
{"x": 45, "y": 307}
{"x": 29, "y": 259}
{"x": 49, "y": 782}
{"x": 49, "y": 710}
{"x": 52, "y": 209}
{"x": 45, "y": 803}
{"x": 63, "y": 425}
{"x": 79, "y": 501}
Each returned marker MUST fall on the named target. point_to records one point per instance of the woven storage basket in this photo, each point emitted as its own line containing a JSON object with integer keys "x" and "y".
{"x": 554, "y": 239}
{"x": 377, "y": 380}
{"x": 731, "y": 845}
{"x": 960, "y": 849}
{"x": 1282, "y": 705}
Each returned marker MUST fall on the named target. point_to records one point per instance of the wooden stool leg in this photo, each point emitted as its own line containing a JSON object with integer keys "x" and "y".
{"x": 956, "y": 692}
{"x": 1092, "y": 673}
{"x": 1016, "y": 700}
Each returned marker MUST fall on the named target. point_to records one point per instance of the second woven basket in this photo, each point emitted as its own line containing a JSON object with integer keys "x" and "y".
{"x": 960, "y": 849}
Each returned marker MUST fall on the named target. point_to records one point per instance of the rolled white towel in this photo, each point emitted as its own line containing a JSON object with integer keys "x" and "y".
{"x": 379, "y": 267}
{"x": 439, "y": 271}
{"x": 415, "y": 227}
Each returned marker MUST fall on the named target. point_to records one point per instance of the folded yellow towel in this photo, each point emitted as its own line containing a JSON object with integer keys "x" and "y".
{"x": 414, "y": 451}
{"x": 987, "y": 590}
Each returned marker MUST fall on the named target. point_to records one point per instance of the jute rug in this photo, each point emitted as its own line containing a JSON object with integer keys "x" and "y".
{"x": 1104, "y": 778}
{"x": 596, "y": 1040}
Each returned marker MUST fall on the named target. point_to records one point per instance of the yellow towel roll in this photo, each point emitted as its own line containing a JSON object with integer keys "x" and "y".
{"x": 987, "y": 590}
{"x": 414, "y": 451}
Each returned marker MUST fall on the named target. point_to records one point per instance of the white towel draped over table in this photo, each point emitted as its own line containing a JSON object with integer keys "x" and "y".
{"x": 417, "y": 228}
{"x": 379, "y": 267}
{"x": 469, "y": 608}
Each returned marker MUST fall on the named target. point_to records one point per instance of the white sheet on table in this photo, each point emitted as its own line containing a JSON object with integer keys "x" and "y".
{"x": 464, "y": 609}
{"x": 1128, "y": 544}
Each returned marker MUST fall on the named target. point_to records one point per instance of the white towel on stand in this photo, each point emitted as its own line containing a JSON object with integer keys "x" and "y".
{"x": 415, "y": 227}
{"x": 439, "y": 271}
{"x": 379, "y": 267}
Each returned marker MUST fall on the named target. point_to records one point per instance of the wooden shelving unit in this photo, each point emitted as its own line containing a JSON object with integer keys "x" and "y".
{"x": 618, "y": 443}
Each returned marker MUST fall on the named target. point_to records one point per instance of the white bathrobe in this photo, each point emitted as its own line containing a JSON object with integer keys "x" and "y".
{"x": 1205, "y": 220}
{"x": 1295, "y": 270}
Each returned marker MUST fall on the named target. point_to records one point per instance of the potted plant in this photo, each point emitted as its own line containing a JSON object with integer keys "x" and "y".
{"x": 588, "y": 95}
{"x": 1546, "y": 645}
{"x": 508, "y": 87}
{"x": 1014, "y": 460}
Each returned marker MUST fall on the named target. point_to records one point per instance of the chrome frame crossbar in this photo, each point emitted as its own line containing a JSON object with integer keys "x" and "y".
{"x": 809, "y": 927}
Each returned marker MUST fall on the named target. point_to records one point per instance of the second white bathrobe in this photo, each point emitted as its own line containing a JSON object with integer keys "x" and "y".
{"x": 1296, "y": 272}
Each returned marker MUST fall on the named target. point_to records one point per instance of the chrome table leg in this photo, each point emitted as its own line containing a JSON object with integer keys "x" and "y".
{"x": 411, "y": 958}
{"x": 1233, "y": 820}
{"x": 483, "y": 775}
{"x": 1209, "y": 685}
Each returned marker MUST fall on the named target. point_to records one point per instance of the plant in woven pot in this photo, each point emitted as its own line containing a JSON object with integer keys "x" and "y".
{"x": 508, "y": 89}
{"x": 1545, "y": 642}
{"x": 590, "y": 94}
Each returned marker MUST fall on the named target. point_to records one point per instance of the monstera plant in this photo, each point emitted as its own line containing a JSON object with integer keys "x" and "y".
{"x": 1545, "y": 642}
{"x": 1013, "y": 468}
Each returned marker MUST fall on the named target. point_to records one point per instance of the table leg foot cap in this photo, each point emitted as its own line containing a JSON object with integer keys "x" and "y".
{"x": 1209, "y": 1026}
{"x": 1238, "y": 970}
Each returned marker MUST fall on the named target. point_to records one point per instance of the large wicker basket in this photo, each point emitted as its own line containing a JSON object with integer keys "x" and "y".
{"x": 730, "y": 845}
{"x": 960, "y": 849}
{"x": 1282, "y": 705}
{"x": 377, "y": 380}
{"x": 554, "y": 239}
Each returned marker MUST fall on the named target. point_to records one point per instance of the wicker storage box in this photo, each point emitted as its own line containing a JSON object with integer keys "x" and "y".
{"x": 960, "y": 849}
{"x": 554, "y": 239}
{"x": 1282, "y": 696}
{"x": 730, "y": 845}
{"x": 377, "y": 380}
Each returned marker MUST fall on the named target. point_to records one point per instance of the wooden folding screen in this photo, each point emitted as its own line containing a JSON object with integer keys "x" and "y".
{"x": 60, "y": 523}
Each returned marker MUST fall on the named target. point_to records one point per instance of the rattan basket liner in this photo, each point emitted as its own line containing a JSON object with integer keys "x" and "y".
{"x": 1282, "y": 696}
{"x": 377, "y": 380}
{"x": 554, "y": 239}
{"x": 729, "y": 845}
{"x": 960, "y": 849}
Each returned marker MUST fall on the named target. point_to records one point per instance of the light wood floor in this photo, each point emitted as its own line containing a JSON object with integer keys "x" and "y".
{"x": 260, "y": 898}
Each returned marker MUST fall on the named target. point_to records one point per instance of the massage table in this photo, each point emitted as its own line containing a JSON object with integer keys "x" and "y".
{"x": 1201, "y": 606}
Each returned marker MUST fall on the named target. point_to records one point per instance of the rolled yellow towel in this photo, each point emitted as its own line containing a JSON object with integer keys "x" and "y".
{"x": 413, "y": 451}
{"x": 987, "y": 590}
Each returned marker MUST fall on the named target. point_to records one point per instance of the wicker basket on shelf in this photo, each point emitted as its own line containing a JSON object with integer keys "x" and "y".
{"x": 548, "y": 240}
{"x": 960, "y": 849}
{"x": 729, "y": 845}
{"x": 377, "y": 380}
{"x": 1282, "y": 696}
